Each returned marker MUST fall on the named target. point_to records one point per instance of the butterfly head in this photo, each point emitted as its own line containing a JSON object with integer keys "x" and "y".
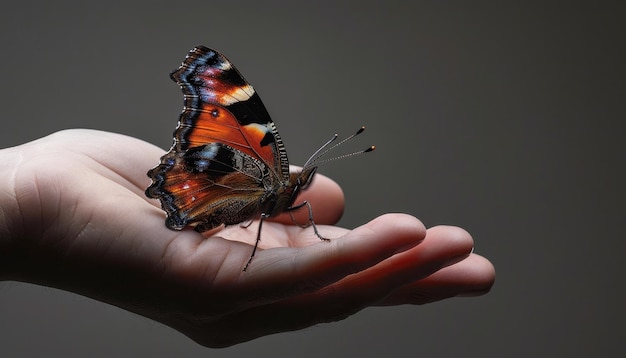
{"x": 305, "y": 177}
{"x": 300, "y": 181}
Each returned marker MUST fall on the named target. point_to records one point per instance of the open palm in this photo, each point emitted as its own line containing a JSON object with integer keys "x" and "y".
{"x": 74, "y": 216}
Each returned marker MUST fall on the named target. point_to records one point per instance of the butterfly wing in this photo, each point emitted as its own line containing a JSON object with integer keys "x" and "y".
{"x": 221, "y": 106}
{"x": 209, "y": 185}
{"x": 226, "y": 150}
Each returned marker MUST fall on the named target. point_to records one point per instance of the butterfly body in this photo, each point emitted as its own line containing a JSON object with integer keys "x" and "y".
{"x": 228, "y": 164}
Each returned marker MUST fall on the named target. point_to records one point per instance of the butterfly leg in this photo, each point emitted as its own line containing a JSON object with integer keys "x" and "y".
{"x": 258, "y": 238}
{"x": 311, "y": 221}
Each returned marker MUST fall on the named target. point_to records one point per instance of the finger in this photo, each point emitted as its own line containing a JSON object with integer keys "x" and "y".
{"x": 473, "y": 276}
{"x": 443, "y": 246}
{"x": 291, "y": 271}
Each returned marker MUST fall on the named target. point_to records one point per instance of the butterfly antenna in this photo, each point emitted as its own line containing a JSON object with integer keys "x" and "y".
{"x": 343, "y": 156}
{"x": 343, "y": 141}
{"x": 317, "y": 154}
{"x": 323, "y": 150}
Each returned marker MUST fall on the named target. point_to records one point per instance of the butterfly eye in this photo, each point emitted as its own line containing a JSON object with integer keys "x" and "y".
{"x": 306, "y": 177}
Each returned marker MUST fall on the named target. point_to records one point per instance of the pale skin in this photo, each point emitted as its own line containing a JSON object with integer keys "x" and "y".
{"x": 73, "y": 215}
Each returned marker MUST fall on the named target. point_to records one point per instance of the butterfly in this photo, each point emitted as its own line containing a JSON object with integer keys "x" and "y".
{"x": 228, "y": 164}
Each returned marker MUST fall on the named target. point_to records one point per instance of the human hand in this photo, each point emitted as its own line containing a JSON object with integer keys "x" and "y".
{"x": 73, "y": 215}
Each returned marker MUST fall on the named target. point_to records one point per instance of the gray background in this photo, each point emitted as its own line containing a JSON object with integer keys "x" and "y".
{"x": 505, "y": 118}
